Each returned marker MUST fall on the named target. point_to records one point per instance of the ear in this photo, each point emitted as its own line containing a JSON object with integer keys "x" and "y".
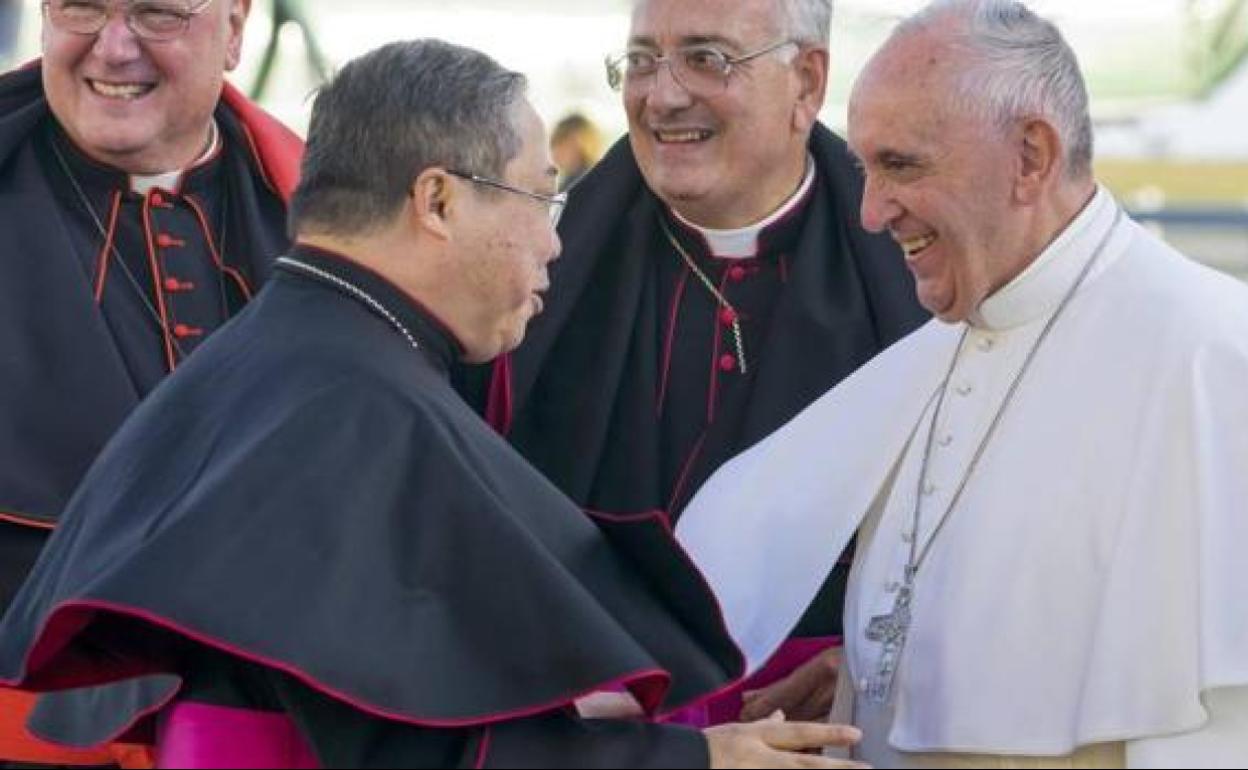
{"x": 433, "y": 203}
{"x": 1041, "y": 157}
{"x": 812, "y": 66}
{"x": 237, "y": 20}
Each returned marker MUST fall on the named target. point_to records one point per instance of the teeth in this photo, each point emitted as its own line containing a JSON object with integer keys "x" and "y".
{"x": 119, "y": 91}
{"x": 693, "y": 135}
{"x": 915, "y": 245}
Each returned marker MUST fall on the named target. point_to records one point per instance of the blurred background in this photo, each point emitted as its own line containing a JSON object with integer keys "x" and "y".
{"x": 1169, "y": 80}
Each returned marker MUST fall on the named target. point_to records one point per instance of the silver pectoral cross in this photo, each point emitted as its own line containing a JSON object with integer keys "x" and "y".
{"x": 890, "y": 631}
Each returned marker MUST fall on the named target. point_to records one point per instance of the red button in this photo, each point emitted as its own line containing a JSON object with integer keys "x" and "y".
{"x": 158, "y": 199}
{"x": 182, "y": 331}
{"x": 727, "y": 316}
{"x": 736, "y": 273}
{"x": 165, "y": 240}
{"x": 173, "y": 284}
{"x": 727, "y": 362}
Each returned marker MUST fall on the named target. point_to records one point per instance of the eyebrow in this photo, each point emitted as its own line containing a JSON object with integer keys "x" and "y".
{"x": 686, "y": 41}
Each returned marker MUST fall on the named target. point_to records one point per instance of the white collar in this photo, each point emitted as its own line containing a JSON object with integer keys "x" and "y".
{"x": 172, "y": 180}
{"x": 742, "y": 242}
{"x": 1038, "y": 290}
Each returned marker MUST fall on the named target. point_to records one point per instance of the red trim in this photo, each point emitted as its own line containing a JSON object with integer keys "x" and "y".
{"x": 68, "y": 618}
{"x": 783, "y": 261}
{"x": 679, "y": 487}
{"x": 633, "y": 518}
{"x": 499, "y": 404}
{"x": 665, "y": 518}
{"x": 670, "y": 340}
{"x": 101, "y": 271}
{"x": 157, "y": 280}
{"x": 275, "y": 148}
{"x": 483, "y": 749}
{"x": 712, "y": 395}
{"x": 212, "y": 249}
{"x": 22, "y": 521}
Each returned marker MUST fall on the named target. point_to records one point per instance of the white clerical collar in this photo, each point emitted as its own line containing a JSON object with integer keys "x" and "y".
{"x": 172, "y": 180}
{"x": 1038, "y": 290}
{"x": 742, "y": 242}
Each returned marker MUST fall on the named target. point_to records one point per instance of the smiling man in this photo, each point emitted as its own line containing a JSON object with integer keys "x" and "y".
{"x": 331, "y": 560}
{"x": 715, "y": 281}
{"x": 141, "y": 201}
{"x": 1049, "y": 478}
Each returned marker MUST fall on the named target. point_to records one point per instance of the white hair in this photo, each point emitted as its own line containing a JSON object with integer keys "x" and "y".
{"x": 1020, "y": 66}
{"x": 808, "y": 22}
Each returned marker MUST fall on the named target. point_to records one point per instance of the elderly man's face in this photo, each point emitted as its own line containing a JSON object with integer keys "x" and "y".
{"x": 939, "y": 181}
{"x": 142, "y": 106}
{"x": 725, "y": 159}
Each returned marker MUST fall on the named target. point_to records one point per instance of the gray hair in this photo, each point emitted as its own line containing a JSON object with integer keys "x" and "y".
{"x": 809, "y": 22}
{"x": 1021, "y": 66}
{"x": 391, "y": 114}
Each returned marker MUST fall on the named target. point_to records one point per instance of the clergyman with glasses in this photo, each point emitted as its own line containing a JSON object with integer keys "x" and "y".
{"x": 332, "y": 561}
{"x": 141, "y": 201}
{"x": 715, "y": 281}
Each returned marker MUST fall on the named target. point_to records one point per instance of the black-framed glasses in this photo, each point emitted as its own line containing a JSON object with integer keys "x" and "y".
{"x": 702, "y": 70}
{"x": 555, "y": 203}
{"x": 157, "y": 20}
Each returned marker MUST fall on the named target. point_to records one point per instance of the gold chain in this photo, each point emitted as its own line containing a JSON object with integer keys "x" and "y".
{"x": 720, "y": 298}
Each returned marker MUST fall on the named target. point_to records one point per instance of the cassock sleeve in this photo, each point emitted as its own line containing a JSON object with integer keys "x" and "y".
{"x": 342, "y": 736}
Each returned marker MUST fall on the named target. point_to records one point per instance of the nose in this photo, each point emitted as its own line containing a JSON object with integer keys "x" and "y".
{"x": 879, "y": 207}
{"x": 116, "y": 43}
{"x": 667, "y": 93}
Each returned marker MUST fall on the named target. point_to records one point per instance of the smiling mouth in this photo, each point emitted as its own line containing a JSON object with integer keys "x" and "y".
{"x": 913, "y": 247}
{"x": 683, "y": 136}
{"x": 122, "y": 91}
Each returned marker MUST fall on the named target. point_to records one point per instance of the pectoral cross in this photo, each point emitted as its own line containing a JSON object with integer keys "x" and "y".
{"x": 889, "y": 630}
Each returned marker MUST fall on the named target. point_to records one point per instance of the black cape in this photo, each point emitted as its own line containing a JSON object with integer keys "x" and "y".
{"x": 578, "y": 397}
{"x": 308, "y": 494}
{"x": 68, "y": 363}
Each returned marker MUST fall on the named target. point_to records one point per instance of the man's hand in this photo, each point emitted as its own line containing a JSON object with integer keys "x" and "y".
{"x": 806, "y": 694}
{"x": 609, "y": 705}
{"x": 772, "y": 742}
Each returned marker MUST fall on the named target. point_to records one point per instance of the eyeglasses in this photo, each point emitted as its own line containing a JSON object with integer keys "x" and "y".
{"x": 699, "y": 69}
{"x": 555, "y": 203}
{"x": 156, "y": 20}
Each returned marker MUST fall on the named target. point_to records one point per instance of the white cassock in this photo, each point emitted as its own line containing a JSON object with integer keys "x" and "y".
{"x": 1090, "y": 586}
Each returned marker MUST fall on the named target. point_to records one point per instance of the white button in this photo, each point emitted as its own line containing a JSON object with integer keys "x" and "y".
{"x": 965, "y": 389}
{"x": 945, "y": 440}
{"x": 907, "y": 537}
{"x": 892, "y": 587}
{"x": 929, "y": 489}
{"x": 862, "y": 684}
{"x": 985, "y": 344}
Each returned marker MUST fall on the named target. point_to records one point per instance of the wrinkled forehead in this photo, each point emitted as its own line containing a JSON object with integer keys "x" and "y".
{"x": 736, "y": 23}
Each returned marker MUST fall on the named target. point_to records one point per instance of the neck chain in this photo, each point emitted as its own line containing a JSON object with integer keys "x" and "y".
{"x": 152, "y": 312}
{"x": 353, "y": 291}
{"x": 719, "y": 297}
{"x": 892, "y": 629}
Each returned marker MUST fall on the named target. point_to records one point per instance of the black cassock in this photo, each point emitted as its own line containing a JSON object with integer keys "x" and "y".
{"x": 103, "y": 291}
{"x": 306, "y": 518}
{"x": 627, "y": 392}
